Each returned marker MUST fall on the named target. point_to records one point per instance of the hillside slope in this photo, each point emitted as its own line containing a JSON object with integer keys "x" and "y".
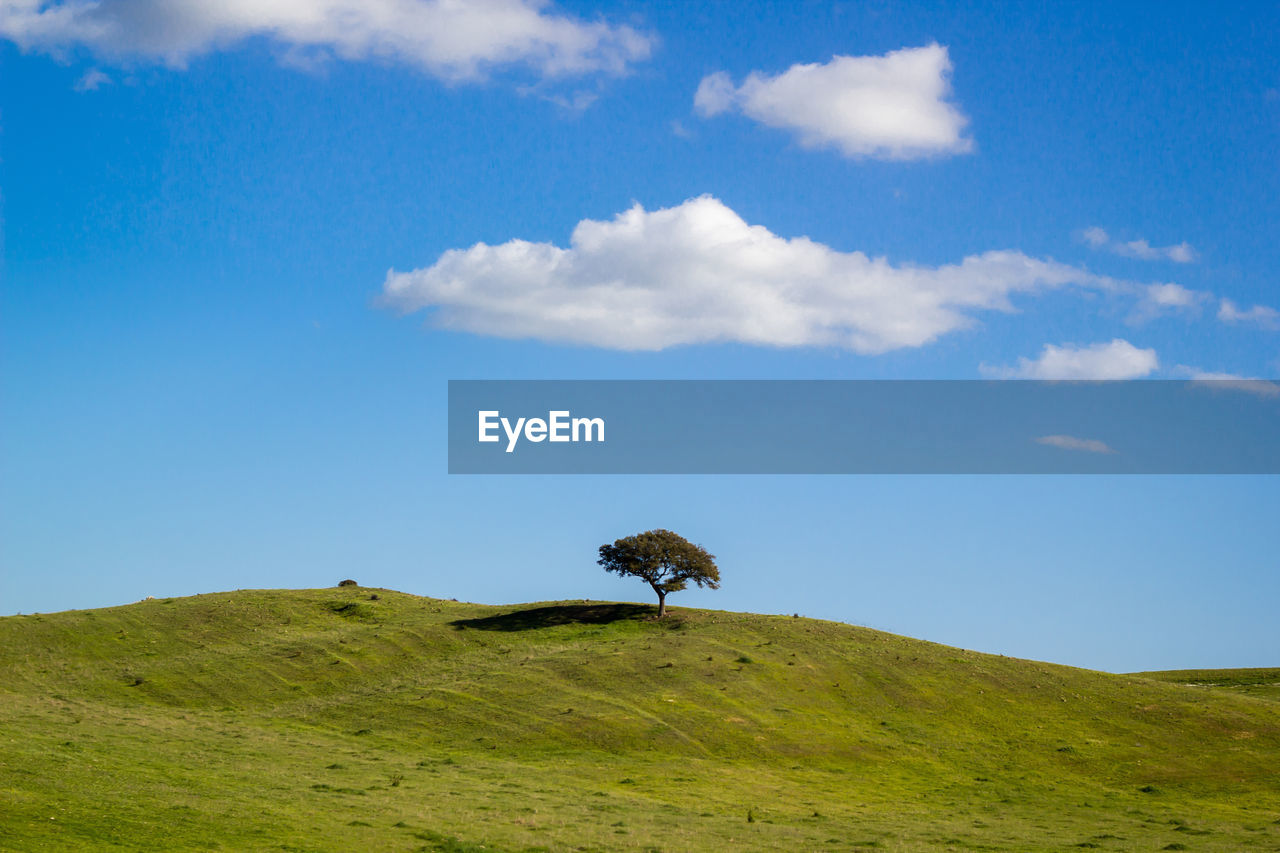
{"x": 359, "y": 719}
{"x": 1263, "y": 683}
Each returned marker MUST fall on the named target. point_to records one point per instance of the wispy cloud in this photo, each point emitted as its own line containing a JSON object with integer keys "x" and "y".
{"x": 893, "y": 106}
{"x": 1098, "y": 238}
{"x": 697, "y": 273}
{"x": 448, "y": 39}
{"x": 1215, "y": 381}
{"x": 573, "y": 102}
{"x": 1117, "y": 359}
{"x": 1158, "y": 299}
{"x": 1259, "y": 315}
{"x": 91, "y": 80}
{"x": 1070, "y": 442}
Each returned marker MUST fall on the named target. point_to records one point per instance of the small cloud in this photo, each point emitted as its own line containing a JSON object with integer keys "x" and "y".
{"x": 680, "y": 130}
{"x": 1070, "y": 442}
{"x": 1097, "y": 238}
{"x": 1158, "y": 299}
{"x": 1259, "y": 315}
{"x": 307, "y": 59}
{"x": 1228, "y": 381}
{"x": 575, "y": 102}
{"x": 1174, "y": 296}
{"x": 715, "y": 95}
{"x": 1118, "y": 359}
{"x": 892, "y": 107}
{"x": 1257, "y": 387}
{"x": 1182, "y": 253}
{"x": 91, "y": 81}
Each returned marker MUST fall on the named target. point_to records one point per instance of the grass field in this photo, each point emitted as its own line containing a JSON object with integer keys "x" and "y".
{"x": 333, "y": 720}
{"x": 1263, "y": 683}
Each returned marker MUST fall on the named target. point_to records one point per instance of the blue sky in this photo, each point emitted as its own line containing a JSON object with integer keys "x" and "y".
{"x": 239, "y": 270}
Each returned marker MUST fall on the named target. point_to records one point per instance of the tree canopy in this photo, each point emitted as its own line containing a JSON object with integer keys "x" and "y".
{"x": 664, "y": 560}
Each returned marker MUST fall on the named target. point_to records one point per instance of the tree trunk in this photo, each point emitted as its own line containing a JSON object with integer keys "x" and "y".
{"x": 662, "y": 604}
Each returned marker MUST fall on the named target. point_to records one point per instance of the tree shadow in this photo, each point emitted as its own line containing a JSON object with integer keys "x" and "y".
{"x": 558, "y": 614}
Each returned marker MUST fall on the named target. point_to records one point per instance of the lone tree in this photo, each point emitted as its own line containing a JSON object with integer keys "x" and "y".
{"x": 662, "y": 559}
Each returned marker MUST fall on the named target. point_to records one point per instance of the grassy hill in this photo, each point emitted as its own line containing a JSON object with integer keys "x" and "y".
{"x": 1263, "y": 683}
{"x": 360, "y": 719}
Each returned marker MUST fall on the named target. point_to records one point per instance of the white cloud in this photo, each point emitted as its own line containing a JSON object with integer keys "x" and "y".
{"x": 1157, "y": 299}
{"x": 1097, "y": 238}
{"x": 716, "y": 94}
{"x": 1260, "y": 315}
{"x": 91, "y": 80}
{"x": 1181, "y": 253}
{"x": 892, "y": 106}
{"x": 1118, "y": 359}
{"x": 1173, "y": 296}
{"x": 575, "y": 102}
{"x": 1070, "y": 442}
{"x": 1229, "y": 381}
{"x": 697, "y": 273}
{"x": 447, "y": 38}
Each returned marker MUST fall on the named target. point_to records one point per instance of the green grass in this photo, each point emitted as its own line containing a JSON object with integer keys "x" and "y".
{"x": 326, "y": 720}
{"x": 1262, "y": 683}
